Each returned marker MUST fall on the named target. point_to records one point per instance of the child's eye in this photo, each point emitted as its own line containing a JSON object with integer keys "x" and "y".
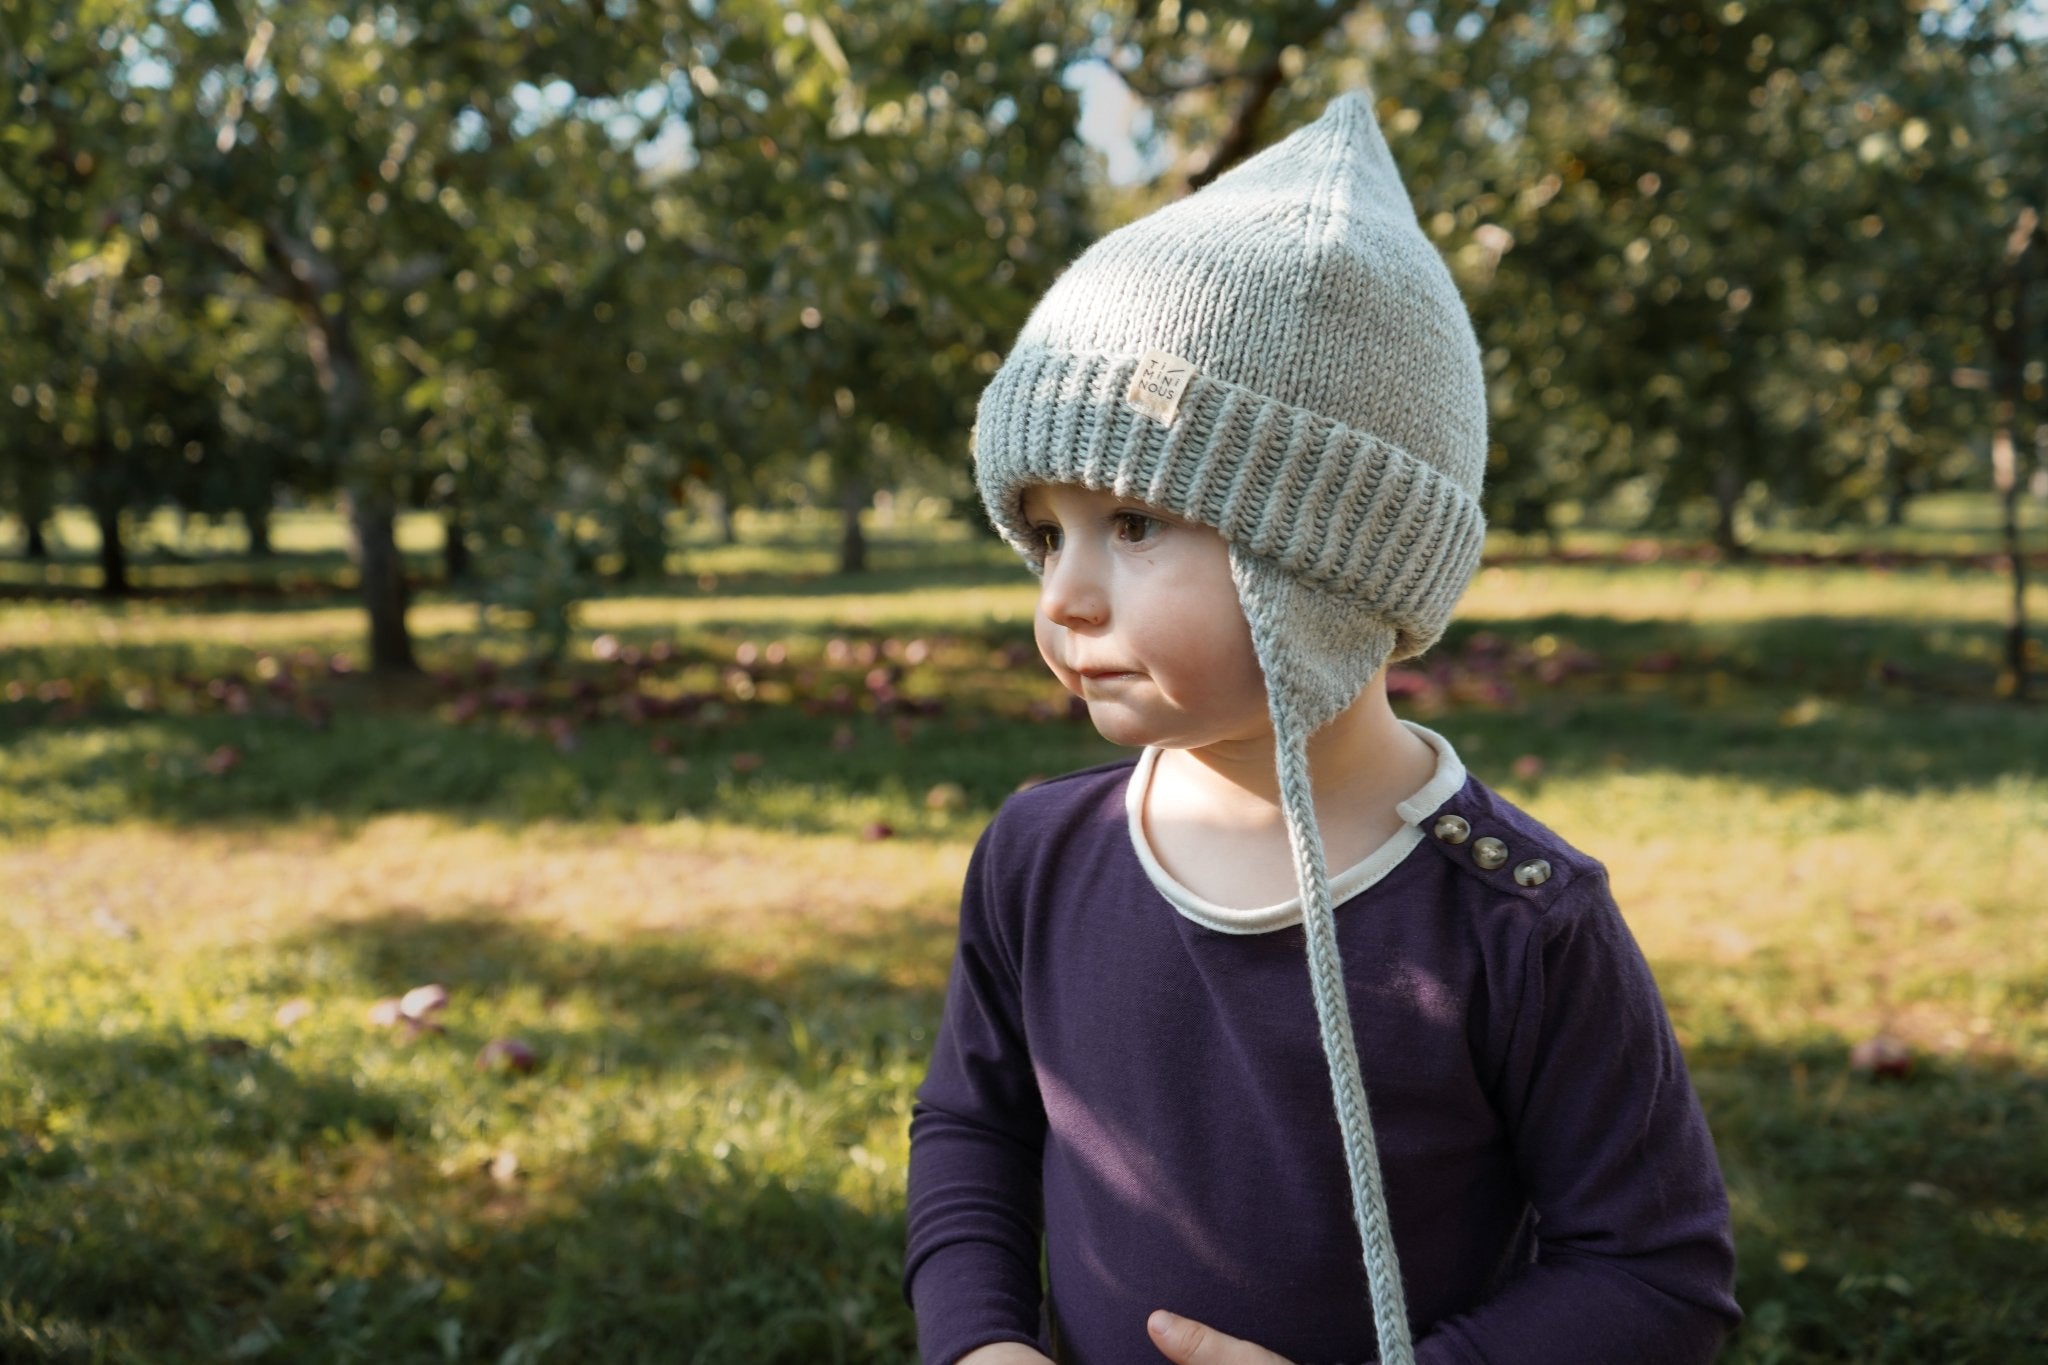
{"x": 1045, "y": 537}
{"x": 1143, "y": 523}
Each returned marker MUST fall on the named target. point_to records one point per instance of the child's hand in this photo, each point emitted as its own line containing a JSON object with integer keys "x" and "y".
{"x": 1003, "y": 1353}
{"x": 1190, "y": 1343}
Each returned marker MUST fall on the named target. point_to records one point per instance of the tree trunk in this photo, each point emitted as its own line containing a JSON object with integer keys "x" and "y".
{"x": 2005, "y": 478}
{"x": 728, "y": 531}
{"x": 301, "y": 274}
{"x": 455, "y": 548}
{"x": 2016, "y": 630}
{"x": 256, "y": 520}
{"x": 1732, "y": 470}
{"x": 373, "y": 550}
{"x": 2009, "y": 343}
{"x": 1728, "y": 483}
{"x": 113, "y": 554}
{"x": 1896, "y": 495}
{"x": 36, "y": 506}
{"x": 853, "y": 542}
{"x": 1527, "y": 515}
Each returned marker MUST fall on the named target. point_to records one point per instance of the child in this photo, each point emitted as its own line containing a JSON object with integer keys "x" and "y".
{"x": 1241, "y": 442}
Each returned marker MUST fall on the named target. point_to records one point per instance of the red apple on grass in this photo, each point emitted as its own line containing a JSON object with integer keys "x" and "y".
{"x": 1882, "y": 1057}
{"x": 507, "y": 1055}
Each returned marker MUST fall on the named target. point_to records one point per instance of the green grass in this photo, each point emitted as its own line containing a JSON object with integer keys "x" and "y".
{"x": 1819, "y": 823}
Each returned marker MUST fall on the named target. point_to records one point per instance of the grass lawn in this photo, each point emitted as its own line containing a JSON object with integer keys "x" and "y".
{"x": 706, "y": 872}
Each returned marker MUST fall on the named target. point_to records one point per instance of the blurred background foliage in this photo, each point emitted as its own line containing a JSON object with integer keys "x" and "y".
{"x": 562, "y": 273}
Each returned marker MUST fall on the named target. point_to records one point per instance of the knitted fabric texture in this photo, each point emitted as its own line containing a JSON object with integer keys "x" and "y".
{"x": 1282, "y": 356}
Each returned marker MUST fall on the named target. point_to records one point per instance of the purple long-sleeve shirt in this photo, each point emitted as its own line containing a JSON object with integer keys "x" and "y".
{"x": 1136, "y": 1077}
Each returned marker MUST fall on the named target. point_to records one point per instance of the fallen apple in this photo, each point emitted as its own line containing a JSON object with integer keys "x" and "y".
{"x": 507, "y": 1054}
{"x": 421, "y": 1001}
{"x": 1882, "y": 1057}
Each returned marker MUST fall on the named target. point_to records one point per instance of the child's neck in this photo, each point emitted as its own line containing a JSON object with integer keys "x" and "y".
{"x": 1213, "y": 820}
{"x": 1363, "y": 763}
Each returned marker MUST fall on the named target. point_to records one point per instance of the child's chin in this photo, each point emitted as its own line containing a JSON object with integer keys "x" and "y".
{"x": 1117, "y": 725}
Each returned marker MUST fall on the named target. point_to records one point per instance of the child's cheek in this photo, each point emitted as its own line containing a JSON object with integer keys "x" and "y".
{"x": 1043, "y": 634}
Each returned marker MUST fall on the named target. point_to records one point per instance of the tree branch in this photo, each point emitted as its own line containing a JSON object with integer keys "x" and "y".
{"x": 1241, "y": 136}
{"x": 1238, "y": 140}
{"x": 200, "y": 236}
{"x": 311, "y": 273}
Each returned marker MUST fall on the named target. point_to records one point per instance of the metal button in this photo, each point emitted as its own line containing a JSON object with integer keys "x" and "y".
{"x": 1452, "y": 829}
{"x": 1535, "y": 872}
{"x": 1489, "y": 852}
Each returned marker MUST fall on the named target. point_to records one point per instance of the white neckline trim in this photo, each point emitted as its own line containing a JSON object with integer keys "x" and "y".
{"x": 1442, "y": 785}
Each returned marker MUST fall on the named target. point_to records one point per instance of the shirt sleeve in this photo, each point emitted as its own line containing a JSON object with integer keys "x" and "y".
{"x": 1635, "y": 1256}
{"x": 977, "y": 1137}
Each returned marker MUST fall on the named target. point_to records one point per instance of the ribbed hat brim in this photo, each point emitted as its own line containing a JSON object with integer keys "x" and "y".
{"x": 1233, "y": 460}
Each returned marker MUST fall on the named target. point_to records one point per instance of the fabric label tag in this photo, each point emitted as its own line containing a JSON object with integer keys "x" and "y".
{"x": 1156, "y": 388}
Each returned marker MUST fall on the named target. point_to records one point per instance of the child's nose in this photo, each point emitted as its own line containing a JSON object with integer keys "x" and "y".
{"x": 1071, "y": 592}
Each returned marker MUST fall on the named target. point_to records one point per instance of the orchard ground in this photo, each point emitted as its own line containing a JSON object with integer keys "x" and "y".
{"x": 706, "y": 870}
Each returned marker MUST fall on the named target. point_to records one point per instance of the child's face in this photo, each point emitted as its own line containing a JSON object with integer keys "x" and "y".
{"x": 1142, "y": 593}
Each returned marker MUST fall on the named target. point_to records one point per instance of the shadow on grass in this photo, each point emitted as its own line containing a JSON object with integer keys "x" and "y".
{"x": 174, "y": 1256}
{"x": 1881, "y": 1220}
{"x": 809, "y": 747}
{"x": 1875, "y": 1221}
{"x": 773, "y": 767}
{"x": 800, "y": 781}
{"x": 820, "y": 749}
{"x": 266, "y": 1202}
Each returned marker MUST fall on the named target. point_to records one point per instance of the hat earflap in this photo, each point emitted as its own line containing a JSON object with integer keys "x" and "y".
{"x": 1316, "y": 659}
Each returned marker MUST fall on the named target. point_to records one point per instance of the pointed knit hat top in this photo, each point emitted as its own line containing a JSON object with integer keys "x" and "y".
{"x": 1283, "y": 356}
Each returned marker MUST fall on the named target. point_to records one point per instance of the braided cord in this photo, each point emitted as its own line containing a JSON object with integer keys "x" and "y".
{"x": 1333, "y": 1016}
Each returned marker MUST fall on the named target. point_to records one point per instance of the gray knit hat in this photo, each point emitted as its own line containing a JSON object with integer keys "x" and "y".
{"x": 1283, "y": 356}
